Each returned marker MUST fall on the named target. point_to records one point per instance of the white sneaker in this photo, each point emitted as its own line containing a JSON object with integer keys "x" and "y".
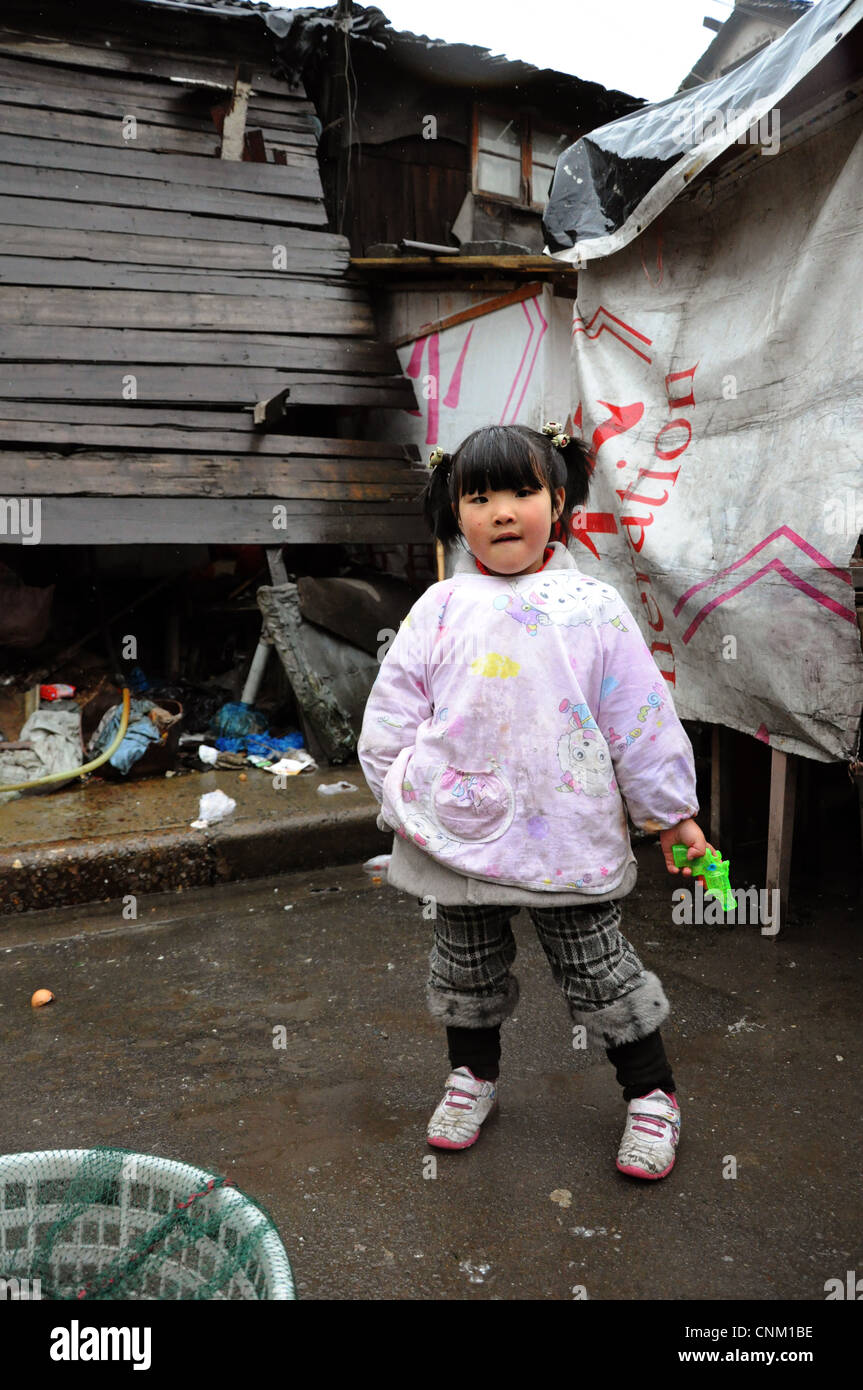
{"x": 649, "y": 1145}
{"x": 467, "y": 1102}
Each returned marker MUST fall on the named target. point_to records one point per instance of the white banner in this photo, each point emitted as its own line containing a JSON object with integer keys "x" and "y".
{"x": 716, "y": 366}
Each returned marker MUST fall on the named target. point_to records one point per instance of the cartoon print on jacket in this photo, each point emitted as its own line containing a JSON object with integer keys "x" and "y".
{"x": 554, "y": 602}
{"x": 582, "y": 754}
{"x": 652, "y": 705}
{"x": 523, "y": 611}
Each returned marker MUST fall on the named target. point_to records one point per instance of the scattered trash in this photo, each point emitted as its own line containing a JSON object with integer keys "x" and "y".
{"x": 150, "y": 740}
{"x": 215, "y": 757}
{"x": 42, "y": 996}
{"x": 476, "y": 1273}
{"x": 587, "y": 1231}
{"x": 237, "y": 721}
{"x": 562, "y": 1196}
{"x": 49, "y": 742}
{"x": 16, "y": 864}
{"x": 378, "y": 865}
{"x": 332, "y": 788}
{"x": 214, "y": 806}
{"x": 287, "y": 907}
{"x": 839, "y": 1058}
{"x": 302, "y": 761}
{"x": 743, "y": 1027}
{"x": 56, "y": 692}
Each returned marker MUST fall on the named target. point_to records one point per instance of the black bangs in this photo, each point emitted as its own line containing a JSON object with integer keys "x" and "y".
{"x": 499, "y": 457}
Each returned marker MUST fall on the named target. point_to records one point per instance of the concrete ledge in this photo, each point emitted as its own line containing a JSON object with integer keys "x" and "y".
{"x": 100, "y": 860}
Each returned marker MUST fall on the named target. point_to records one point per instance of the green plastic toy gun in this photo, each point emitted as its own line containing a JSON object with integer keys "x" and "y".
{"x": 713, "y": 869}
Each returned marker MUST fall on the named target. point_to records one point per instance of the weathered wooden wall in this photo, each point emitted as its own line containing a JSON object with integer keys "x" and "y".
{"x": 141, "y": 313}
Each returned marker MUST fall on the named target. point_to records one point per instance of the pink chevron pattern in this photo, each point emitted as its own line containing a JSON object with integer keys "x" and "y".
{"x": 777, "y": 566}
{"x": 451, "y": 399}
{"x": 532, "y": 328}
{"x": 579, "y": 326}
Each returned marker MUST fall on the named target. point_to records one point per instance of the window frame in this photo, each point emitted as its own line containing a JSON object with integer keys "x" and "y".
{"x": 528, "y": 123}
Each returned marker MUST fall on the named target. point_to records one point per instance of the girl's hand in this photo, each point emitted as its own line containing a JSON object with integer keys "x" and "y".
{"x": 689, "y": 833}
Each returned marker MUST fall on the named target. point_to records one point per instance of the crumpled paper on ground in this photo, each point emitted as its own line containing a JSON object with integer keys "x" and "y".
{"x": 214, "y": 806}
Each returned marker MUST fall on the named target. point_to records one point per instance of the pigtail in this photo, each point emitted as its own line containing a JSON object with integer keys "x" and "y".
{"x": 579, "y": 463}
{"x": 436, "y": 498}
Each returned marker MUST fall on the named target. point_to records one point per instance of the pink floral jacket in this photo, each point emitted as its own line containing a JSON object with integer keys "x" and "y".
{"x": 510, "y": 720}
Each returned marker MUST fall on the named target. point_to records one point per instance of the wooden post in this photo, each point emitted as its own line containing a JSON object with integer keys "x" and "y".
{"x": 780, "y": 830}
{"x": 234, "y": 125}
{"x": 715, "y": 831}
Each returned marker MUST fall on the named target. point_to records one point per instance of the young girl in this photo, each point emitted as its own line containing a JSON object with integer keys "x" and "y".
{"x": 515, "y": 712}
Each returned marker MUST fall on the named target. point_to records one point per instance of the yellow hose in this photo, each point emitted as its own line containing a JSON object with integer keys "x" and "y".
{"x": 88, "y": 767}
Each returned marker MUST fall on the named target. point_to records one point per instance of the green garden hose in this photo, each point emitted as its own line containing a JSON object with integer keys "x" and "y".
{"x": 88, "y": 767}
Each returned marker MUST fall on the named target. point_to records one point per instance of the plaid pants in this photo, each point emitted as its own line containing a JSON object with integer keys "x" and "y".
{"x": 605, "y": 985}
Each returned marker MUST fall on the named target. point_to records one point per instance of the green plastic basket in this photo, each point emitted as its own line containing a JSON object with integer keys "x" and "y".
{"x": 58, "y": 1220}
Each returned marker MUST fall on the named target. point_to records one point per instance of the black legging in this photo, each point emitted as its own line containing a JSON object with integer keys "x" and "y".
{"x": 641, "y": 1066}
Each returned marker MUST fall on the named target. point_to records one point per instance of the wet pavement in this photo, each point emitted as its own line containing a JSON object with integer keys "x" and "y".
{"x": 97, "y": 840}
{"x": 161, "y": 1039}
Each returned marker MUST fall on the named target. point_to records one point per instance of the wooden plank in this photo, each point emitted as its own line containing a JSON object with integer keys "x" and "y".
{"x": 226, "y": 313}
{"x": 198, "y": 385}
{"x": 95, "y": 275}
{"x": 182, "y": 476}
{"x": 50, "y": 212}
{"x": 18, "y": 117}
{"x": 475, "y": 311}
{"x": 242, "y": 521}
{"x": 164, "y": 107}
{"x": 163, "y": 103}
{"x": 48, "y": 49}
{"x": 171, "y": 112}
{"x": 191, "y": 425}
{"x": 286, "y": 353}
{"x": 160, "y": 195}
{"x": 780, "y": 831}
{"x": 96, "y": 54}
{"x": 125, "y": 160}
{"x": 131, "y": 249}
{"x": 241, "y": 469}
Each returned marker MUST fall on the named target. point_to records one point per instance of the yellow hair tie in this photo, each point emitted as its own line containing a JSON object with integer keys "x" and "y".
{"x": 436, "y": 456}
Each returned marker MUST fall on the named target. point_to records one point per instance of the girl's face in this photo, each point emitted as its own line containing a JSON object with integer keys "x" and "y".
{"x": 508, "y": 530}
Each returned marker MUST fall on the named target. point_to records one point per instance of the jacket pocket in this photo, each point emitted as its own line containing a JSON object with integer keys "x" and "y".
{"x": 472, "y": 806}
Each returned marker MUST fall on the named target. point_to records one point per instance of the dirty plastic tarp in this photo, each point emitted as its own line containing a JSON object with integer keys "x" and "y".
{"x": 331, "y": 679}
{"x": 717, "y": 374}
{"x": 56, "y": 738}
{"x": 612, "y": 183}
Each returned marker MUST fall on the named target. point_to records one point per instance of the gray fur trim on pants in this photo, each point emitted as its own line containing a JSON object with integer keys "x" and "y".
{"x": 632, "y": 1016}
{"x": 472, "y": 1010}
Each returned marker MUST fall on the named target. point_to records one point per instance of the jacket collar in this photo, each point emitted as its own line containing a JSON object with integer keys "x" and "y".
{"x": 561, "y": 559}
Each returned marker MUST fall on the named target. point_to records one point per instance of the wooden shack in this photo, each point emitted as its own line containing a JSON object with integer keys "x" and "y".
{"x": 184, "y": 355}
